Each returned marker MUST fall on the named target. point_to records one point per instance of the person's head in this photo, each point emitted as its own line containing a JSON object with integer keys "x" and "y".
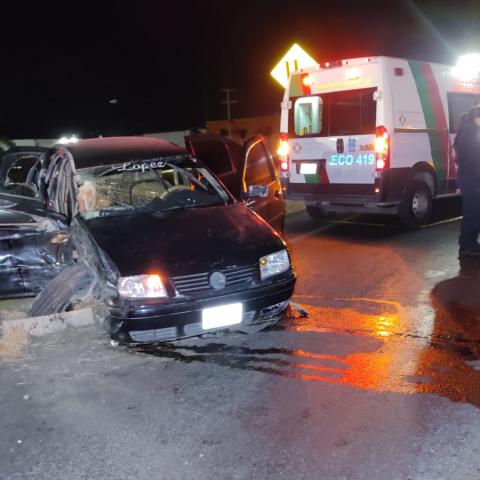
{"x": 474, "y": 116}
{"x": 87, "y": 196}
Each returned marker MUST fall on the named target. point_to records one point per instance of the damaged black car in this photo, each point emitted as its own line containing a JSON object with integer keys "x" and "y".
{"x": 156, "y": 235}
{"x": 34, "y": 240}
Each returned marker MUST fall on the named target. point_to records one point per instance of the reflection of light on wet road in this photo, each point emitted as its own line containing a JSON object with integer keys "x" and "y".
{"x": 434, "y": 361}
{"x": 387, "y": 322}
{"x": 381, "y": 351}
{"x": 370, "y": 370}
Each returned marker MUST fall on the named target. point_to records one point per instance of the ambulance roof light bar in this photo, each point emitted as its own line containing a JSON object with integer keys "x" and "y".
{"x": 345, "y": 62}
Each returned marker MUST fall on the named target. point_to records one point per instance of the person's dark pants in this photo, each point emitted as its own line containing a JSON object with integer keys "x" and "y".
{"x": 470, "y": 228}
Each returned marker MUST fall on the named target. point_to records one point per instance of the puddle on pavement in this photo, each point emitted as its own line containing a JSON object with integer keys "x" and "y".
{"x": 436, "y": 356}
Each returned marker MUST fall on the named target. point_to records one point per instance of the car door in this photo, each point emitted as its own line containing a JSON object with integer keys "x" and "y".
{"x": 262, "y": 189}
{"x": 222, "y": 156}
{"x": 241, "y": 167}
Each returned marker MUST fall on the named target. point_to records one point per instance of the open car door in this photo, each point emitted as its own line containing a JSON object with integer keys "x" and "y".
{"x": 222, "y": 156}
{"x": 248, "y": 171}
{"x": 262, "y": 189}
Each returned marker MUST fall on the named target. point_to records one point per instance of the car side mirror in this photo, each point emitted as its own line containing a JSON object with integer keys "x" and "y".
{"x": 257, "y": 191}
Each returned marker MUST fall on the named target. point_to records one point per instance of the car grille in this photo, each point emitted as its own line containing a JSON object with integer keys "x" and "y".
{"x": 199, "y": 282}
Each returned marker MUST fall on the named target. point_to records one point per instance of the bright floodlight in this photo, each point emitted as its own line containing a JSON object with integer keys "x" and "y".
{"x": 467, "y": 67}
{"x": 295, "y": 59}
{"x": 64, "y": 140}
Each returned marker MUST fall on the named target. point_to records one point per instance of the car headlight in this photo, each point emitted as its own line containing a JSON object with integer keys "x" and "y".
{"x": 141, "y": 286}
{"x": 274, "y": 264}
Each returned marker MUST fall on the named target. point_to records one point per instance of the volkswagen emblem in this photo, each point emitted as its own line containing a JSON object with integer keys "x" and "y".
{"x": 217, "y": 280}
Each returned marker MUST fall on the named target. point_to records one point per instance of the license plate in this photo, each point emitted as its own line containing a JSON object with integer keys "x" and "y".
{"x": 222, "y": 316}
{"x": 308, "y": 168}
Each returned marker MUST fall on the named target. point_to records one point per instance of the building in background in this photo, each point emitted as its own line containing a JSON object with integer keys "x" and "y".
{"x": 242, "y": 129}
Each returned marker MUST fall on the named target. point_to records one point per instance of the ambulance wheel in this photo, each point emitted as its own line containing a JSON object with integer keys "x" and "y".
{"x": 416, "y": 208}
{"x": 317, "y": 213}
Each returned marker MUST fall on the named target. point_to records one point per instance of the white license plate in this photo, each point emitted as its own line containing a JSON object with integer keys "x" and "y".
{"x": 222, "y": 316}
{"x": 308, "y": 168}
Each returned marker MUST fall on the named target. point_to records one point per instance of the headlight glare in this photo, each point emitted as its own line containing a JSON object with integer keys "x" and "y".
{"x": 274, "y": 264}
{"x": 141, "y": 286}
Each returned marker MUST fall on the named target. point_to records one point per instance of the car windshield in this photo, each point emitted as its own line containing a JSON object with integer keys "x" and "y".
{"x": 160, "y": 185}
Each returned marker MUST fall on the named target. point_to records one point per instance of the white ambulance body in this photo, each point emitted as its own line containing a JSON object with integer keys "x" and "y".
{"x": 373, "y": 134}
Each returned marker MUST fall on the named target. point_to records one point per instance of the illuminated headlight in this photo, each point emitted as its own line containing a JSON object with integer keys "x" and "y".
{"x": 141, "y": 286}
{"x": 274, "y": 264}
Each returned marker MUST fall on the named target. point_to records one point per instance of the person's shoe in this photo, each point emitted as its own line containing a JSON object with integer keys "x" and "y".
{"x": 473, "y": 251}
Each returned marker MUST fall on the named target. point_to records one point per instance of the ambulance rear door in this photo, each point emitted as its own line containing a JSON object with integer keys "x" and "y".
{"x": 332, "y": 130}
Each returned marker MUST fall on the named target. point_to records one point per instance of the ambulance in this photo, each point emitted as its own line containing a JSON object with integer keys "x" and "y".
{"x": 373, "y": 135}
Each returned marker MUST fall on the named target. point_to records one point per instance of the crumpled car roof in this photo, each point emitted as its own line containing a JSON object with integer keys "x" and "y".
{"x": 108, "y": 150}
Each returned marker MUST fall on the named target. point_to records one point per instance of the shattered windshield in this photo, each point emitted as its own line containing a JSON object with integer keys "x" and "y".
{"x": 161, "y": 185}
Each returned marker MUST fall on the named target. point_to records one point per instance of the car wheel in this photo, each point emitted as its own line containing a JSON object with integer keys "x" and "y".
{"x": 317, "y": 213}
{"x": 416, "y": 208}
{"x": 59, "y": 294}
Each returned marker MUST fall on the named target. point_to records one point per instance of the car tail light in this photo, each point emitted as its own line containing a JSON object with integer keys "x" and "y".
{"x": 382, "y": 148}
{"x": 282, "y": 151}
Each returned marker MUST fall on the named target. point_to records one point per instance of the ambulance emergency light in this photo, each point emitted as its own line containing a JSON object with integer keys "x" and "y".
{"x": 467, "y": 67}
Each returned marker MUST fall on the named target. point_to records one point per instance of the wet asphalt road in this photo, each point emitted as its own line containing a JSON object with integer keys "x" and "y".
{"x": 381, "y": 381}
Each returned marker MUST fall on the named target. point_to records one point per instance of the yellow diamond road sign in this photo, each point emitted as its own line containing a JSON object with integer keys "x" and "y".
{"x": 295, "y": 59}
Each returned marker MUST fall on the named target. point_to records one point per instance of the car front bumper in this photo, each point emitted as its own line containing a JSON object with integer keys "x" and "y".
{"x": 155, "y": 322}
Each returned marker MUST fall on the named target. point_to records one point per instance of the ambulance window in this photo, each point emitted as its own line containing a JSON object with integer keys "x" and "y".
{"x": 352, "y": 112}
{"x": 458, "y": 104}
{"x": 308, "y": 115}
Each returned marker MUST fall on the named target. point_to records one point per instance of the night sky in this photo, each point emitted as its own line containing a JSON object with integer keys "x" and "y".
{"x": 165, "y": 62}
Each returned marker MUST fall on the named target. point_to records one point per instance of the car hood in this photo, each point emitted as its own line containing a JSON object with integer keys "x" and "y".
{"x": 184, "y": 242}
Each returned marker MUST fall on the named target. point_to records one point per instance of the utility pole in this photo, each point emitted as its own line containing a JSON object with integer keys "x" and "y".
{"x": 228, "y": 101}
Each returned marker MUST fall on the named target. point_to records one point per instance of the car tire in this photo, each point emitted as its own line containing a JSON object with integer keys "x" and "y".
{"x": 416, "y": 207}
{"x": 317, "y": 213}
{"x": 58, "y": 295}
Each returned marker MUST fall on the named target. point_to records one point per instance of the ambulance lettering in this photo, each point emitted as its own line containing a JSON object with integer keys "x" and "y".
{"x": 348, "y": 160}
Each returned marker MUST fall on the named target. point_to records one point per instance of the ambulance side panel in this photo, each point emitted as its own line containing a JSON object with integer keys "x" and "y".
{"x": 420, "y": 142}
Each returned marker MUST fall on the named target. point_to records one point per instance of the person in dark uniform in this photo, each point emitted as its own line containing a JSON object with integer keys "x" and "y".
{"x": 467, "y": 148}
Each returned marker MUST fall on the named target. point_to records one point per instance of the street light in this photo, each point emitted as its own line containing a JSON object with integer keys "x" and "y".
{"x": 67, "y": 139}
{"x": 467, "y": 67}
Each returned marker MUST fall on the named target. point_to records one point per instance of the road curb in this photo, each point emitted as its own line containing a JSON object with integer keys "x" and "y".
{"x": 47, "y": 324}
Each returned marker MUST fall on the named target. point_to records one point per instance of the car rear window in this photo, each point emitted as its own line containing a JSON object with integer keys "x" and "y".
{"x": 215, "y": 156}
{"x": 18, "y": 174}
{"x": 350, "y": 112}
